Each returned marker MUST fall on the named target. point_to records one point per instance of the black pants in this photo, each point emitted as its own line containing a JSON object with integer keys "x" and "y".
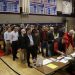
{"x": 36, "y": 51}
{"x": 31, "y": 50}
{"x": 44, "y": 45}
{"x": 14, "y": 48}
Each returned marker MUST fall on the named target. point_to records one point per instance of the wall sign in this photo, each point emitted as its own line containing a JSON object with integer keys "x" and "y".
{"x": 67, "y": 7}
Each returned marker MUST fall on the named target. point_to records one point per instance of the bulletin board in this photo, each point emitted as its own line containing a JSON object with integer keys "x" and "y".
{"x": 48, "y": 7}
{"x": 9, "y": 6}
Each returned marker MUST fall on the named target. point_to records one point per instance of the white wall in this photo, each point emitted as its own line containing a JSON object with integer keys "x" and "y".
{"x": 13, "y": 18}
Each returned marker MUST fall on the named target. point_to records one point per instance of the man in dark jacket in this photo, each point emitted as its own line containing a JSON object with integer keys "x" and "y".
{"x": 36, "y": 39}
{"x": 51, "y": 41}
{"x": 30, "y": 46}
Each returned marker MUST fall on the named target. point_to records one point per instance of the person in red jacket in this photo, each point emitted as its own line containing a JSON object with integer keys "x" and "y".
{"x": 62, "y": 45}
{"x": 68, "y": 37}
{"x": 59, "y": 47}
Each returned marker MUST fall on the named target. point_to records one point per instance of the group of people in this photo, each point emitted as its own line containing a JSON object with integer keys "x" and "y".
{"x": 29, "y": 40}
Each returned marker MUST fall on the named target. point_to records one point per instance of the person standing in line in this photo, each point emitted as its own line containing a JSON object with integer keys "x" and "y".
{"x": 22, "y": 46}
{"x": 7, "y": 38}
{"x": 14, "y": 41}
{"x": 44, "y": 41}
{"x": 36, "y": 38}
{"x": 51, "y": 41}
{"x": 30, "y": 46}
{"x": 69, "y": 39}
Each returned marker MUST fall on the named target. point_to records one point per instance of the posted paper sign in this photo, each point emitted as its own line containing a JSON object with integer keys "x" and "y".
{"x": 67, "y": 7}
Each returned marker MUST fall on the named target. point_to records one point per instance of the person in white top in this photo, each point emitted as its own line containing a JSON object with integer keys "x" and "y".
{"x": 14, "y": 35}
{"x": 14, "y": 41}
{"x": 7, "y": 38}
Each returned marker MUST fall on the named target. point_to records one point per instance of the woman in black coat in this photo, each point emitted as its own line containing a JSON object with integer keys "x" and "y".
{"x": 22, "y": 46}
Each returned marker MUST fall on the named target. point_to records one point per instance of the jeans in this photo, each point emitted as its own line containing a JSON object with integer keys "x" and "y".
{"x": 51, "y": 49}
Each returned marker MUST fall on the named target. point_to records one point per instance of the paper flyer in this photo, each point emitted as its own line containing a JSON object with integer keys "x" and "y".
{"x": 46, "y": 61}
{"x": 52, "y": 66}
